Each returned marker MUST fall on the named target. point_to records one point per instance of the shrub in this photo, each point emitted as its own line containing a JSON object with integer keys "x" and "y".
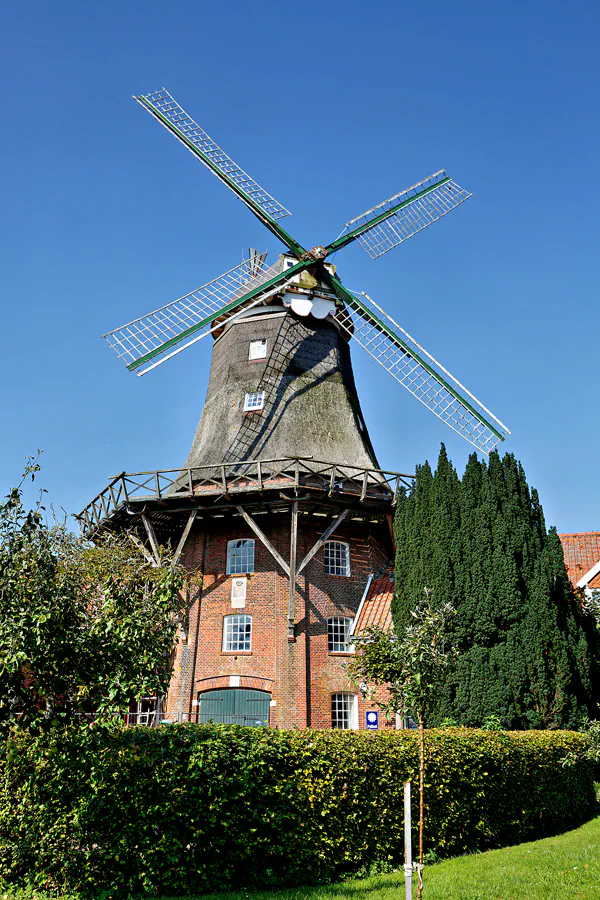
{"x": 187, "y": 809}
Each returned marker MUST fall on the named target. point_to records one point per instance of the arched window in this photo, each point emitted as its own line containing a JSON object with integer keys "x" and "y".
{"x": 337, "y": 558}
{"x": 240, "y": 557}
{"x": 344, "y": 711}
{"x": 338, "y": 634}
{"x": 237, "y": 633}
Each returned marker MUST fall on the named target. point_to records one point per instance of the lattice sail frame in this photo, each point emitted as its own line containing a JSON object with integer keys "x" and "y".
{"x": 426, "y": 379}
{"x": 441, "y": 197}
{"x": 165, "y": 328}
{"x": 167, "y": 107}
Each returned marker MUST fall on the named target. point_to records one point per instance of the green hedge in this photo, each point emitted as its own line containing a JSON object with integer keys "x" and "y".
{"x": 187, "y": 809}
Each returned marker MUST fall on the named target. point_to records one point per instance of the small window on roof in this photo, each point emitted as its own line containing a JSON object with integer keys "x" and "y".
{"x": 254, "y": 400}
{"x": 258, "y": 349}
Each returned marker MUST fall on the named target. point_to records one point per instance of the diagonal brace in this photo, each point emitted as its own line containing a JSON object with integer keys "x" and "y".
{"x": 327, "y": 533}
{"x": 152, "y": 538}
{"x": 135, "y": 540}
{"x": 264, "y": 540}
{"x": 184, "y": 536}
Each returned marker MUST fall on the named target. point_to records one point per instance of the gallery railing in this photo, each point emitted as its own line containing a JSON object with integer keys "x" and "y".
{"x": 242, "y": 477}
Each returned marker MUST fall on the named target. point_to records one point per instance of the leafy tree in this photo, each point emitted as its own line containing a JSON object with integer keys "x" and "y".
{"x": 84, "y": 629}
{"x": 410, "y": 668}
{"x": 529, "y": 653}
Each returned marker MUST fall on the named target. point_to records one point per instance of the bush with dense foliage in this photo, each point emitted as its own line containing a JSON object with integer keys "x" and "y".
{"x": 84, "y": 629}
{"x": 187, "y": 809}
{"x": 529, "y": 652}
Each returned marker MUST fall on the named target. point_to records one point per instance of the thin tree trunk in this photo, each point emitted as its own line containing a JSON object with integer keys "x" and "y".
{"x": 421, "y": 793}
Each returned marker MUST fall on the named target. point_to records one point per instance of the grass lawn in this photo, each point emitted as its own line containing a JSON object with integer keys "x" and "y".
{"x": 566, "y": 867}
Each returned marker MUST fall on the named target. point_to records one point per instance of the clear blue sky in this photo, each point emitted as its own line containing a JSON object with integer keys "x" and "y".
{"x": 332, "y": 107}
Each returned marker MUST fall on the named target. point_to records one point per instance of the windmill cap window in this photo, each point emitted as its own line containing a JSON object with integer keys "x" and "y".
{"x": 257, "y": 349}
{"x": 254, "y": 401}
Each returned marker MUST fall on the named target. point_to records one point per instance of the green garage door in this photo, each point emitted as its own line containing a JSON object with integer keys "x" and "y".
{"x": 235, "y": 706}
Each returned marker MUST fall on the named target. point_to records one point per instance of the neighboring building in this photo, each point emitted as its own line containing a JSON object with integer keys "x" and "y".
{"x": 282, "y": 506}
{"x": 582, "y": 558}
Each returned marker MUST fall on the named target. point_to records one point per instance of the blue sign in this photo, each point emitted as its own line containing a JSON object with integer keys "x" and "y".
{"x": 372, "y": 720}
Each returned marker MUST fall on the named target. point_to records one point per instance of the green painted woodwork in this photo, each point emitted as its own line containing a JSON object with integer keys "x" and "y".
{"x": 260, "y": 213}
{"x": 352, "y": 235}
{"x": 247, "y": 298}
{"x": 235, "y": 706}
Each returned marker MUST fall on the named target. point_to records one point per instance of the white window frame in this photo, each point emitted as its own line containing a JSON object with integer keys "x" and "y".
{"x": 257, "y": 349}
{"x": 237, "y": 633}
{"x": 339, "y": 627}
{"x": 344, "y": 711}
{"x": 336, "y": 556}
{"x": 254, "y": 400}
{"x": 241, "y": 563}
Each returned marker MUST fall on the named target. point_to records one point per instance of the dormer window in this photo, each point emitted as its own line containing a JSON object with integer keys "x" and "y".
{"x": 254, "y": 401}
{"x": 257, "y": 349}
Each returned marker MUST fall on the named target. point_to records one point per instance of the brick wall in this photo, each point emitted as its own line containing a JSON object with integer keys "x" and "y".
{"x": 300, "y": 675}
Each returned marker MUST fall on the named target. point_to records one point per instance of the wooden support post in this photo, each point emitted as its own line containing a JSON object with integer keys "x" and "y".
{"x": 135, "y": 540}
{"x": 292, "y": 572}
{"x": 184, "y": 536}
{"x": 264, "y": 540}
{"x": 152, "y": 538}
{"x": 327, "y": 533}
{"x": 390, "y": 521}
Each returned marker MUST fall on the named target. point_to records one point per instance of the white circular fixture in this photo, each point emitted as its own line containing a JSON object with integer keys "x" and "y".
{"x": 322, "y": 308}
{"x": 301, "y": 305}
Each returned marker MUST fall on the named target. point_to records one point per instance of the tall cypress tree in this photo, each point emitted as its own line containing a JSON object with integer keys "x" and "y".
{"x": 527, "y": 653}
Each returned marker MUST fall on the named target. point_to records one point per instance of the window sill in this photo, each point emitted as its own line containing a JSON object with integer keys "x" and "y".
{"x": 341, "y": 653}
{"x": 236, "y": 652}
{"x": 332, "y": 575}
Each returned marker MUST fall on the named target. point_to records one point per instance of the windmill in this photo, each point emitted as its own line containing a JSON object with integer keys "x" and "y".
{"x": 309, "y": 285}
{"x": 281, "y": 502}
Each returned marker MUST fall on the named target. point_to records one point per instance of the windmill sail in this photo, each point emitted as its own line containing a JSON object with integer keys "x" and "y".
{"x": 392, "y": 222}
{"x": 162, "y": 105}
{"x": 416, "y": 370}
{"x": 163, "y": 333}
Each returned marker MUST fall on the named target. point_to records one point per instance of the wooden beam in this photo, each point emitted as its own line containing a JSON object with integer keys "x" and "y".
{"x": 327, "y": 533}
{"x": 184, "y": 536}
{"x": 292, "y": 575}
{"x": 152, "y": 538}
{"x": 264, "y": 540}
{"x": 135, "y": 540}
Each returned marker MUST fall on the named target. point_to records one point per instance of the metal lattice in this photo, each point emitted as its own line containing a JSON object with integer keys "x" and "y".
{"x": 426, "y": 379}
{"x": 167, "y": 326}
{"x": 169, "y": 109}
{"x": 412, "y": 217}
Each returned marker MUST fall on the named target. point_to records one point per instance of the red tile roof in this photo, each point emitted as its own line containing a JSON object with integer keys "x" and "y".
{"x": 377, "y": 608}
{"x": 582, "y": 551}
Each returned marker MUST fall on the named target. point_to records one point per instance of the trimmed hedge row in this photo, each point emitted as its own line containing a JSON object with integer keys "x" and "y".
{"x": 186, "y": 809}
